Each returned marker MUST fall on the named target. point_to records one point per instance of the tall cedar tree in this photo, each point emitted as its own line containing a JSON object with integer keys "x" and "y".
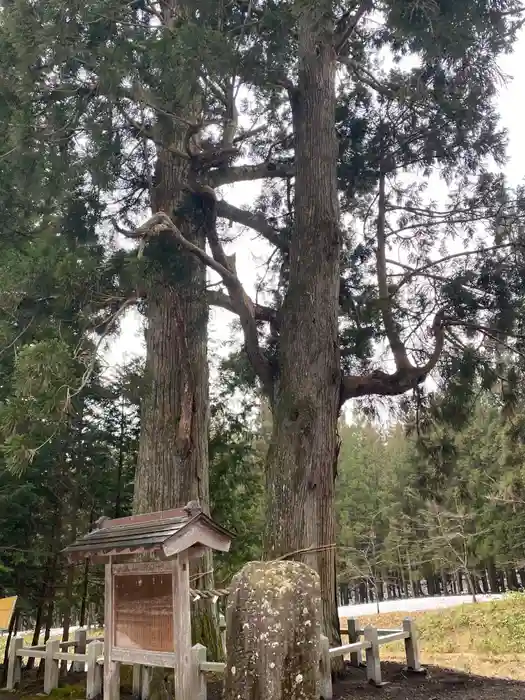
{"x": 146, "y": 96}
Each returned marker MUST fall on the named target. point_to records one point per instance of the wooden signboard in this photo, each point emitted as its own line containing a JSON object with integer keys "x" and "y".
{"x": 143, "y": 612}
{"x": 7, "y": 608}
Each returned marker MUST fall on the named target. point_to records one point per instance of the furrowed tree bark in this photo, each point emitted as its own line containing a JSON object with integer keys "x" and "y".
{"x": 302, "y": 456}
{"x": 172, "y": 467}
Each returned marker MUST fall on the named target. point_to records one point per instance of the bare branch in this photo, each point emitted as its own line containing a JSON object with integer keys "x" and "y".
{"x": 391, "y": 328}
{"x": 240, "y": 301}
{"x": 381, "y": 383}
{"x": 347, "y": 24}
{"x": 223, "y": 301}
{"x": 255, "y": 221}
{"x": 246, "y": 173}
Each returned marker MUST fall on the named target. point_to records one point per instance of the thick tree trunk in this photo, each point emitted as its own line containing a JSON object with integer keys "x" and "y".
{"x": 172, "y": 464}
{"x": 302, "y": 457}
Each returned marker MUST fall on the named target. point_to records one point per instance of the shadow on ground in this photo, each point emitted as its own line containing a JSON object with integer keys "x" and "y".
{"x": 435, "y": 684}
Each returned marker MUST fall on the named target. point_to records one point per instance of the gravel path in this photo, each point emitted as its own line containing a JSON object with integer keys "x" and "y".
{"x": 412, "y": 604}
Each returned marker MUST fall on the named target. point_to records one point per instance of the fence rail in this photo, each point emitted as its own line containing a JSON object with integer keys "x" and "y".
{"x": 87, "y": 655}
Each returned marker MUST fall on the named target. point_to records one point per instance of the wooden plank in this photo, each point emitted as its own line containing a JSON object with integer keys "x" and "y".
{"x": 94, "y": 672}
{"x": 14, "y": 668}
{"x": 111, "y": 667}
{"x": 349, "y": 648}
{"x": 394, "y": 637}
{"x": 32, "y": 653}
{"x": 143, "y": 567}
{"x": 196, "y": 533}
{"x": 324, "y": 687}
{"x": 71, "y": 656}
{"x": 164, "y": 659}
{"x": 200, "y": 686}
{"x": 182, "y": 628}
{"x": 51, "y": 672}
{"x": 136, "y": 682}
{"x": 213, "y": 667}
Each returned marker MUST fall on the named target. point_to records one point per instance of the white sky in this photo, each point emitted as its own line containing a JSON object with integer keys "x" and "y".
{"x": 250, "y": 257}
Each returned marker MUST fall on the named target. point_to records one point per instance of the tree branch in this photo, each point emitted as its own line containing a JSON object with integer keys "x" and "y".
{"x": 347, "y": 24}
{"x": 240, "y": 301}
{"x": 223, "y": 301}
{"x": 245, "y": 173}
{"x": 391, "y": 329}
{"x": 379, "y": 383}
{"x": 255, "y": 221}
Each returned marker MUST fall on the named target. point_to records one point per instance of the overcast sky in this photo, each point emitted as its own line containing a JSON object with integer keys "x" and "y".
{"x": 250, "y": 257}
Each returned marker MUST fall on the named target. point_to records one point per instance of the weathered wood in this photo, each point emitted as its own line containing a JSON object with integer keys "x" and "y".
{"x": 412, "y": 646}
{"x": 213, "y": 667}
{"x": 146, "y": 682}
{"x": 51, "y": 672}
{"x": 356, "y": 657}
{"x": 143, "y": 567}
{"x": 111, "y": 667}
{"x": 14, "y": 668}
{"x": 80, "y": 638}
{"x": 352, "y": 648}
{"x": 391, "y": 637}
{"x": 94, "y": 671}
{"x": 198, "y": 653}
{"x": 160, "y": 659}
{"x": 325, "y": 690}
{"x": 136, "y": 681}
{"x": 72, "y": 656}
{"x": 373, "y": 665}
{"x": 32, "y": 653}
{"x": 196, "y": 534}
{"x": 182, "y": 628}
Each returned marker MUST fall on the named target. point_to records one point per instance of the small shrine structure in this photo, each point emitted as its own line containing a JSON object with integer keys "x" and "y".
{"x": 147, "y": 589}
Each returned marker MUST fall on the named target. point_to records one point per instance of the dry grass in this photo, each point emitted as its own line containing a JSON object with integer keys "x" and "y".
{"x": 486, "y": 639}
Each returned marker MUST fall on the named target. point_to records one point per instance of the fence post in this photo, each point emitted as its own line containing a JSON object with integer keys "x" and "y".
{"x": 356, "y": 658}
{"x": 14, "y": 667}
{"x": 412, "y": 647}
{"x": 325, "y": 670}
{"x": 52, "y": 666}
{"x": 94, "y": 670}
{"x": 200, "y": 684}
{"x": 80, "y": 638}
{"x": 373, "y": 664}
{"x": 222, "y": 628}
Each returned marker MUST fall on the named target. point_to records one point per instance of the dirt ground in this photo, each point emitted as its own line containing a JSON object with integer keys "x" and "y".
{"x": 436, "y": 684}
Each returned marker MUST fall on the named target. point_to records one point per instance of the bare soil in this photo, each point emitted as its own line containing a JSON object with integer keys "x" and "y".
{"x": 435, "y": 684}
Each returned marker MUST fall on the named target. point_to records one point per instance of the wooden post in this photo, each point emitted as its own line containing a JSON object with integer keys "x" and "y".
{"x": 14, "y": 668}
{"x": 356, "y": 658}
{"x": 200, "y": 685}
{"x": 52, "y": 667}
{"x": 80, "y": 638}
{"x": 136, "y": 681}
{"x": 412, "y": 647}
{"x": 373, "y": 664}
{"x": 145, "y": 682}
{"x": 183, "y": 676}
{"x": 111, "y": 668}
{"x": 325, "y": 670}
{"x": 222, "y": 628}
{"x": 94, "y": 670}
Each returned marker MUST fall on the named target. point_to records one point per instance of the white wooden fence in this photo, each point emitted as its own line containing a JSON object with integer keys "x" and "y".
{"x": 88, "y": 655}
{"x": 373, "y": 639}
